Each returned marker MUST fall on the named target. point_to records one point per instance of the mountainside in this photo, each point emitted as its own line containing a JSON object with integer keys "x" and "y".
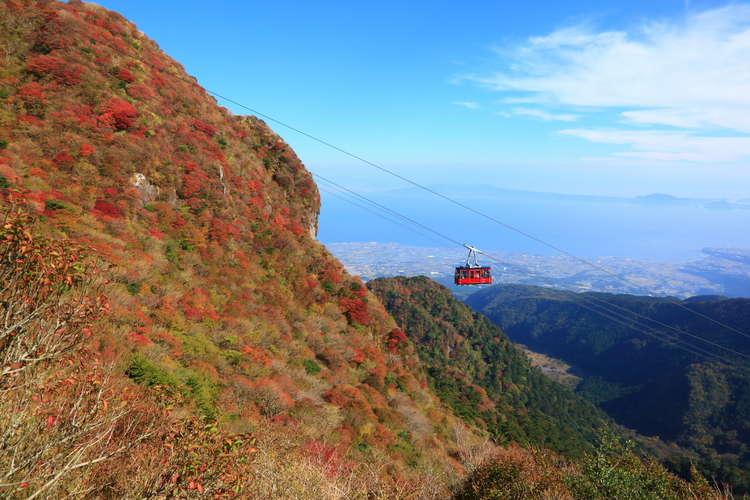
{"x": 474, "y": 368}
{"x": 646, "y": 381}
{"x": 250, "y": 352}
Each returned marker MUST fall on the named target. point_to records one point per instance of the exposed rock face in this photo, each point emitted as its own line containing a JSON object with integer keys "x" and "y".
{"x": 312, "y": 222}
{"x": 147, "y": 191}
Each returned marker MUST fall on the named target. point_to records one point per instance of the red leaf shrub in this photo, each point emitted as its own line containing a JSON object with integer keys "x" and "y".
{"x": 63, "y": 160}
{"x": 50, "y": 36}
{"x": 218, "y": 231}
{"x": 140, "y": 91}
{"x": 69, "y": 76}
{"x": 9, "y": 174}
{"x": 195, "y": 183}
{"x": 41, "y": 65}
{"x": 358, "y": 356}
{"x": 204, "y": 127}
{"x": 197, "y": 305}
{"x": 335, "y": 398}
{"x": 126, "y": 76}
{"x": 395, "y": 338}
{"x": 383, "y": 436}
{"x": 101, "y": 207}
{"x": 256, "y": 354}
{"x": 29, "y": 120}
{"x": 86, "y": 150}
{"x": 31, "y": 94}
{"x": 356, "y": 310}
{"x": 327, "y": 457}
{"x": 118, "y": 114}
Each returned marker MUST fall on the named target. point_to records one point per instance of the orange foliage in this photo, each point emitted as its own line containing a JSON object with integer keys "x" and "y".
{"x": 163, "y": 337}
{"x": 383, "y": 436}
{"x": 256, "y": 354}
{"x": 197, "y": 305}
{"x": 335, "y": 397}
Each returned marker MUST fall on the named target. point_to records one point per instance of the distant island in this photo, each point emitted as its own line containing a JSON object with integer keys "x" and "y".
{"x": 655, "y": 199}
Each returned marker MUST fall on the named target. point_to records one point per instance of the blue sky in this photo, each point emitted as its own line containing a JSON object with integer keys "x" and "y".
{"x": 587, "y": 97}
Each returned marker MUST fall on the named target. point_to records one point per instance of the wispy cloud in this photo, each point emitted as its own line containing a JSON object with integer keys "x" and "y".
{"x": 544, "y": 115}
{"x": 667, "y": 145}
{"x": 699, "y": 68}
{"x": 470, "y": 105}
{"x": 693, "y": 74}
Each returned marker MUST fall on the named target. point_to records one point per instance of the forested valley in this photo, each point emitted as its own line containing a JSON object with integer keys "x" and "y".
{"x": 687, "y": 384}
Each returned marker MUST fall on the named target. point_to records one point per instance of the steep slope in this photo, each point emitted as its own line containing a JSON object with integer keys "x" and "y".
{"x": 646, "y": 382}
{"x": 474, "y": 368}
{"x": 253, "y": 340}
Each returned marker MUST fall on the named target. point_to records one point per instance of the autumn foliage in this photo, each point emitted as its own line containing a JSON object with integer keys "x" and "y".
{"x": 42, "y": 319}
{"x": 222, "y": 312}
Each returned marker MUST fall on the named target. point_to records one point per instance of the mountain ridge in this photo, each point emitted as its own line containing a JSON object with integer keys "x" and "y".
{"x": 249, "y": 346}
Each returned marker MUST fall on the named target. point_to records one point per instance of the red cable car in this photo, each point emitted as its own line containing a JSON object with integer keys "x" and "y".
{"x": 473, "y": 274}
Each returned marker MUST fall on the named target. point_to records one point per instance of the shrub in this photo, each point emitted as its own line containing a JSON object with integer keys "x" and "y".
{"x": 32, "y": 95}
{"x": 145, "y": 372}
{"x": 133, "y": 288}
{"x": 126, "y": 76}
{"x": 69, "y": 76}
{"x": 63, "y": 412}
{"x": 204, "y": 128}
{"x": 106, "y": 209}
{"x": 56, "y": 205}
{"x": 44, "y": 64}
{"x": 49, "y": 320}
{"x": 311, "y": 367}
{"x": 118, "y": 114}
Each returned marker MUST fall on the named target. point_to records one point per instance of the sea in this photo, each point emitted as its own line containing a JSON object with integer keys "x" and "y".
{"x": 673, "y": 231}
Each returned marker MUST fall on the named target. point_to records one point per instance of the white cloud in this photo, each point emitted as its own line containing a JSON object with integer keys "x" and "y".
{"x": 706, "y": 118}
{"x": 470, "y": 105}
{"x": 538, "y": 113}
{"x": 668, "y": 146}
{"x": 699, "y": 68}
{"x": 693, "y": 74}
{"x": 522, "y": 100}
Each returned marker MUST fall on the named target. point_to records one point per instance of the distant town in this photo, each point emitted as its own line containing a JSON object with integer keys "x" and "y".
{"x": 722, "y": 271}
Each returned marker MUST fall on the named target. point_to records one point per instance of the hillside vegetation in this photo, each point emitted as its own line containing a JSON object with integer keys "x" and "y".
{"x": 172, "y": 329}
{"x": 647, "y": 382}
{"x": 228, "y": 331}
{"x": 474, "y": 368}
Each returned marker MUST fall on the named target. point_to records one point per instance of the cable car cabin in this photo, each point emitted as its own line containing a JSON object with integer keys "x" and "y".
{"x": 472, "y": 274}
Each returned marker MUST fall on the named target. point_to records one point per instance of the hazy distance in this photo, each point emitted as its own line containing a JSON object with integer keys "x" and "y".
{"x": 652, "y": 226}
